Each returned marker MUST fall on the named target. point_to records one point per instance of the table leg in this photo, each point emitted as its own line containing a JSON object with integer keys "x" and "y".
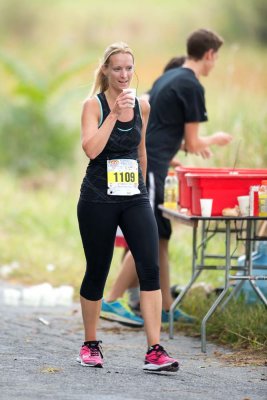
{"x": 203, "y": 242}
{"x": 226, "y": 287}
{"x": 258, "y": 292}
{"x": 236, "y": 289}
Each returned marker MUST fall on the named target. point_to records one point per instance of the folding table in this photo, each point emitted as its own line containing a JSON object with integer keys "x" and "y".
{"x": 245, "y": 229}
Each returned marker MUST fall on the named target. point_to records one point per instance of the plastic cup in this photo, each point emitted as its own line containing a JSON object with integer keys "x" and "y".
{"x": 243, "y": 202}
{"x": 132, "y": 93}
{"x": 206, "y": 207}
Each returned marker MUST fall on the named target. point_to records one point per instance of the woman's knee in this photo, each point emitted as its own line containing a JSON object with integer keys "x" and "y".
{"x": 148, "y": 276}
{"x": 92, "y": 290}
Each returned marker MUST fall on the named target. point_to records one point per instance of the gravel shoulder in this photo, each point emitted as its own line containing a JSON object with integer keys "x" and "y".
{"x": 39, "y": 345}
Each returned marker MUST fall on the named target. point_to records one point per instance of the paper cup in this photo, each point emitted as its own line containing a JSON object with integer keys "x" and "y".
{"x": 132, "y": 93}
{"x": 243, "y": 202}
{"x": 206, "y": 207}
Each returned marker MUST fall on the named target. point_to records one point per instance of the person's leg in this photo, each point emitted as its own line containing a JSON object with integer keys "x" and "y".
{"x": 133, "y": 296}
{"x": 97, "y": 223}
{"x": 126, "y": 278}
{"x": 151, "y": 305}
{"x": 139, "y": 227}
{"x": 165, "y": 274}
{"x": 90, "y": 314}
{"x": 128, "y": 274}
{"x": 114, "y": 308}
{"x": 140, "y": 230}
{"x": 155, "y": 183}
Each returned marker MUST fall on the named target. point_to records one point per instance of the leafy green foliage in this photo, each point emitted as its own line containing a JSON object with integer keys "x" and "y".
{"x": 245, "y": 22}
{"x": 34, "y": 130}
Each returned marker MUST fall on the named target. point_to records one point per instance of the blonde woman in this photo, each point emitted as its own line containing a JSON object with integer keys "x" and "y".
{"x": 178, "y": 108}
{"x": 113, "y": 193}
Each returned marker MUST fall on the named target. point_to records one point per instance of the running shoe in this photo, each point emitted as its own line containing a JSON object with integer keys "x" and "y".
{"x": 91, "y": 354}
{"x": 120, "y": 312}
{"x": 157, "y": 359}
{"x": 179, "y": 316}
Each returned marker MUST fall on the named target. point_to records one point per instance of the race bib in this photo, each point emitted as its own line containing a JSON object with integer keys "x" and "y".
{"x": 122, "y": 177}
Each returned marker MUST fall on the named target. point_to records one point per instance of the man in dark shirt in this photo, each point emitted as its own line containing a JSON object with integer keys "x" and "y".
{"x": 176, "y": 98}
{"x": 177, "y": 102}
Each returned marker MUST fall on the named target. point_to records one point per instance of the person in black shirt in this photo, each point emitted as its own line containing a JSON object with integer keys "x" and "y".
{"x": 113, "y": 193}
{"x": 129, "y": 279}
{"x": 177, "y": 101}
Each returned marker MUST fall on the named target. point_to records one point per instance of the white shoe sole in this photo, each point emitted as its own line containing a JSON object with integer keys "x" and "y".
{"x": 79, "y": 360}
{"x": 171, "y": 367}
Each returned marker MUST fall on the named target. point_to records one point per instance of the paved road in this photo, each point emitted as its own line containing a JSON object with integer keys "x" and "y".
{"x": 38, "y": 362}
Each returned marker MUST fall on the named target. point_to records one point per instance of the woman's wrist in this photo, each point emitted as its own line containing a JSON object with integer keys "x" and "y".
{"x": 113, "y": 115}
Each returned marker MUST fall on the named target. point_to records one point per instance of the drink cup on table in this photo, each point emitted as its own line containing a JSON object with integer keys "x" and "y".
{"x": 132, "y": 93}
{"x": 243, "y": 202}
{"x": 206, "y": 207}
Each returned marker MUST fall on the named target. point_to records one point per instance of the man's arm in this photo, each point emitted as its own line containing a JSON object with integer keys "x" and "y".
{"x": 194, "y": 143}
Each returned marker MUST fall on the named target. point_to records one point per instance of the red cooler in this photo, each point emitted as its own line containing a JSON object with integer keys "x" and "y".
{"x": 185, "y": 191}
{"x": 223, "y": 187}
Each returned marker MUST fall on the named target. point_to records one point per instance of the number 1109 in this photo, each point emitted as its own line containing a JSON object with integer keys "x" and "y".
{"x": 124, "y": 176}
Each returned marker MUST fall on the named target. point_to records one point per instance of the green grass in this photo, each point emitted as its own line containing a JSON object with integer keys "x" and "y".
{"x": 239, "y": 325}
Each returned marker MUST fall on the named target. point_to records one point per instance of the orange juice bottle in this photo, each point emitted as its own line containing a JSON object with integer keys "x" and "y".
{"x": 171, "y": 190}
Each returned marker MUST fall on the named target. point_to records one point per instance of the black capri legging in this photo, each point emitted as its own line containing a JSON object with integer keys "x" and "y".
{"x": 98, "y": 224}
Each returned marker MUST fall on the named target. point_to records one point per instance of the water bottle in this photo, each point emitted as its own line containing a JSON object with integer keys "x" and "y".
{"x": 175, "y": 188}
{"x": 171, "y": 190}
{"x": 263, "y": 199}
{"x": 259, "y": 258}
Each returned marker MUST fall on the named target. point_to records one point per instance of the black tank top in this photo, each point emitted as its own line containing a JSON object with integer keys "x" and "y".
{"x": 122, "y": 144}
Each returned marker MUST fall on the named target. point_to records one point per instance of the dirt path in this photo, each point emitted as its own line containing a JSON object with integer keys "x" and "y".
{"x": 38, "y": 349}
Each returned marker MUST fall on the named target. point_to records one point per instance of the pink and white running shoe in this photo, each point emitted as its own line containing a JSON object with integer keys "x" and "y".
{"x": 91, "y": 354}
{"x": 157, "y": 359}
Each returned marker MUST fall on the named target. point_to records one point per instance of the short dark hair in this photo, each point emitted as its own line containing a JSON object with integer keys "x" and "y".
{"x": 200, "y": 41}
{"x": 174, "y": 62}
